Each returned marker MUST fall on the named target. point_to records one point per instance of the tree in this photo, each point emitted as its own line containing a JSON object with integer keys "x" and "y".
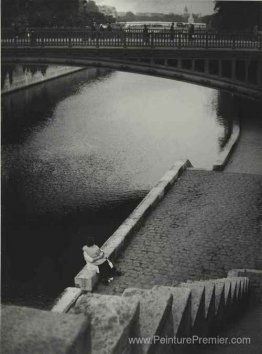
{"x": 237, "y": 15}
{"x": 39, "y": 13}
{"x": 90, "y": 6}
{"x": 130, "y": 16}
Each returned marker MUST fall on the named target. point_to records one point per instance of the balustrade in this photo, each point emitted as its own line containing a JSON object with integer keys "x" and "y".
{"x": 46, "y": 37}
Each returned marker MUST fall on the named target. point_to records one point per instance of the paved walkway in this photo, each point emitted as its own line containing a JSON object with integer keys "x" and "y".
{"x": 207, "y": 224}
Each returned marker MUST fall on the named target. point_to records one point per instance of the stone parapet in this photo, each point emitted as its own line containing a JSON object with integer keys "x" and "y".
{"x": 66, "y": 300}
{"x": 155, "y": 318}
{"x": 26, "y": 331}
{"x": 141, "y": 321}
{"x": 113, "y": 321}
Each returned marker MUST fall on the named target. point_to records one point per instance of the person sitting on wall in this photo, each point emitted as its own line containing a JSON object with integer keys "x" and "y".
{"x": 95, "y": 256}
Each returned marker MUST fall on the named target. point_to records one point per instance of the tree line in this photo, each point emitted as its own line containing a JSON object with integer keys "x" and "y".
{"x": 50, "y": 13}
{"x": 228, "y": 15}
{"x": 237, "y": 15}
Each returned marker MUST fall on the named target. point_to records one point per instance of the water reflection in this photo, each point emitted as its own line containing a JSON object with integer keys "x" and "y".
{"x": 79, "y": 153}
{"x": 24, "y": 110}
{"x": 227, "y": 112}
{"x": 11, "y": 71}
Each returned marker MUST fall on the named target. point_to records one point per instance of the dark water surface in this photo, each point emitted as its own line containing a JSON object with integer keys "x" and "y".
{"x": 79, "y": 153}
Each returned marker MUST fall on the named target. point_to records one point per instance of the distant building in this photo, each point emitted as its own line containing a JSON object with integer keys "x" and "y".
{"x": 150, "y": 14}
{"x": 121, "y": 13}
{"x": 191, "y": 19}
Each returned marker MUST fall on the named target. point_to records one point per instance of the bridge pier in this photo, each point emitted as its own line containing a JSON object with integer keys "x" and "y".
{"x": 246, "y": 71}
{"x": 206, "y": 61}
{"x": 260, "y": 74}
{"x": 233, "y": 76}
{"x": 194, "y": 64}
{"x": 220, "y": 68}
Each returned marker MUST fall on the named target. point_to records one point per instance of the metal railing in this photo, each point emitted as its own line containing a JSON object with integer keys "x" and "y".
{"x": 50, "y": 37}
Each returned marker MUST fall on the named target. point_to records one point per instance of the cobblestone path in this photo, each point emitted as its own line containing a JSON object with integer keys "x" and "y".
{"x": 207, "y": 224}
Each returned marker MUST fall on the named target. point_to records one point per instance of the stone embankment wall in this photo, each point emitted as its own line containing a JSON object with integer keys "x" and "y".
{"x": 21, "y": 76}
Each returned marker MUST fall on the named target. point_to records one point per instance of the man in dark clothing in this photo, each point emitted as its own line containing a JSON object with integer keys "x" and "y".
{"x": 145, "y": 35}
{"x": 191, "y": 31}
{"x": 172, "y": 32}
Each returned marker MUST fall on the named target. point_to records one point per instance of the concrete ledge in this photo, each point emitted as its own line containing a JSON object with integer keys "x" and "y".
{"x": 87, "y": 277}
{"x": 118, "y": 240}
{"x": 66, "y": 299}
{"x": 225, "y": 153}
{"x": 26, "y": 331}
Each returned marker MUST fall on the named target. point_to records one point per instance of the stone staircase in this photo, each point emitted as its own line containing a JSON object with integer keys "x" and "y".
{"x": 154, "y": 316}
{"x": 190, "y": 309}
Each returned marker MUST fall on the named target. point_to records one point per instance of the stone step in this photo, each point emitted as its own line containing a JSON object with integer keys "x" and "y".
{"x": 181, "y": 310}
{"x": 228, "y": 294}
{"x": 113, "y": 321}
{"x": 155, "y": 318}
{"x": 210, "y": 309}
{"x": 255, "y": 277}
{"x": 26, "y": 330}
{"x": 209, "y": 293}
{"x": 239, "y": 288}
{"x": 197, "y": 306}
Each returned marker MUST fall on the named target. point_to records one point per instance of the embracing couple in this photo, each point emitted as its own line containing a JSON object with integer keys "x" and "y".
{"x": 95, "y": 256}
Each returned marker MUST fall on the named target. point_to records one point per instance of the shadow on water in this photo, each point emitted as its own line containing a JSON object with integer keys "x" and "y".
{"x": 226, "y": 114}
{"x": 42, "y": 248}
{"x": 42, "y": 253}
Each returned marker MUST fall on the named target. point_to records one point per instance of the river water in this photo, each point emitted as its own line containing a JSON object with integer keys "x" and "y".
{"x": 79, "y": 153}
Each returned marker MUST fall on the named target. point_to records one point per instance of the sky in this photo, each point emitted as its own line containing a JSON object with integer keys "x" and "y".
{"x": 177, "y": 6}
